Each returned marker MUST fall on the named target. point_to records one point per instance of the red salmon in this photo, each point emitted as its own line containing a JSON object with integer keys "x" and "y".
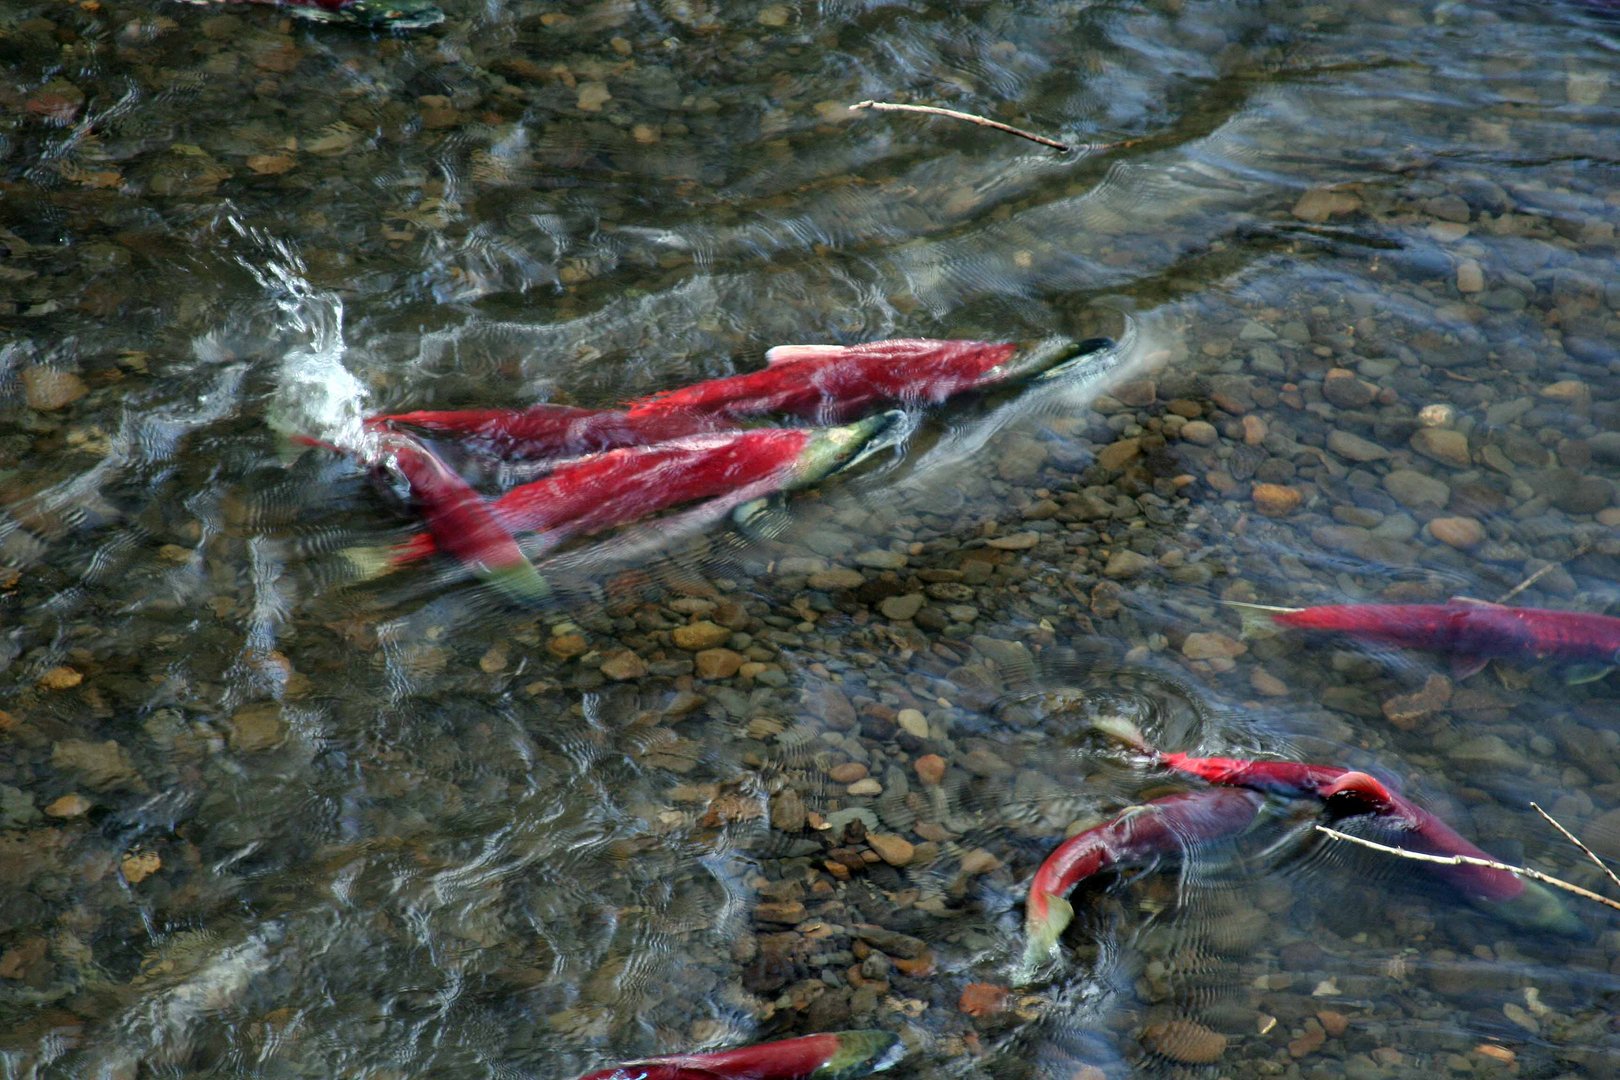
{"x": 1471, "y": 631}
{"x": 600, "y": 491}
{"x": 840, "y": 1055}
{"x": 815, "y": 382}
{"x": 1346, "y": 792}
{"x": 1164, "y": 826}
{"x": 459, "y": 521}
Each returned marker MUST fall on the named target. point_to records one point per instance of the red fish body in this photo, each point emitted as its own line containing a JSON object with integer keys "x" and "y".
{"x": 839, "y": 381}
{"x": 825, "y": 383}
{"x": 459, "y": 521}
{"x": 840, "y": 1055}
{"x": 550, "y": 430}
{"x": 1467, "y": 629}
{"x": 1164, "y": 826}
{"x": 1346, "y": 792}
{"x": 600, "y": 491}
{"x": 1287, "y": 778}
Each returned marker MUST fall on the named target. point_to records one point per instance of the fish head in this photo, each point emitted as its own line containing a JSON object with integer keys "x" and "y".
{"x": 834, "y": 448}
{"x": 1054, "y": 357}
{"x": 372, "y": 14}
{"x": 860, "y": 1053}
{"x": 1356, "y": 793}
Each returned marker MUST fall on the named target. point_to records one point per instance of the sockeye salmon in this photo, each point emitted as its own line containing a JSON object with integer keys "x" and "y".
{"x": 840, "y": 1055}
{"x": 1166, "y": 826}
{"x": 1527, "y": 903}
{"x": 600, "y": 491}
{"x": 824, "y": 383}
{"x": 1346, "y": 792}
{"x": 368, "y": 14}
{"x": 1471, "y": 632}
{"x": 459, "y": 520}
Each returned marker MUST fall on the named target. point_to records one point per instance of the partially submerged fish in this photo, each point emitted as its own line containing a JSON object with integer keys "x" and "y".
{"x": 839, "y": 381}
{"x": 1471, "y": 631}
{"x": 1346, "y": 792}
{"x": 839, "y": 1055}
{"x": 549, "y": 431}
{"x": 369, "y": 14}
{"x": 459, "y": 520}
{"x": 1164, "y": 826}
{"x": 1526, "y": 903}
{"x": 600, "y": 491}
{"x": 825, "y": 383}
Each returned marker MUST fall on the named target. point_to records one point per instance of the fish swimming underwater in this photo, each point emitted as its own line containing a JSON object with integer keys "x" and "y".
{"x": 368, "y": 14}
{"x": 600, "y": 491}
{"x": 1346, "y": 792}
{"x": 459, "y": 520}
{"x": 839, "y": 1055}
{"x": 1526, "y": 903}
{"x": 1471, "y": 631}
{"x": 1166, "y": 826}
{"x": 824, "y": 383}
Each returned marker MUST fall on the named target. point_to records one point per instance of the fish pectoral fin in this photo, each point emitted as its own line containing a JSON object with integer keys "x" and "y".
{"x": 762, "y": 519}
{"x": 1464, "y": 666}
{"x": 1474, "y": 600}
{"x": 1576, "y": 674}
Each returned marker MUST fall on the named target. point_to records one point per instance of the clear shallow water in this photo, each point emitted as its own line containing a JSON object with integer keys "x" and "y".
{"x": 403, "y": 829}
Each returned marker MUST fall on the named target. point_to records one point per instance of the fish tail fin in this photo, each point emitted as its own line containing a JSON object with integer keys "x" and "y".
{"x": 1042, "y": 931}
{"x": 1122, "y": 731}
{"x": 518, "y": 580}
{"x": 371, "y": 561}
{"x": 1258, "y": 619}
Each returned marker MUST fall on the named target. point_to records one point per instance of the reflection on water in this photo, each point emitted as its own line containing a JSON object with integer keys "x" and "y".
{"x": 259, "y": 820}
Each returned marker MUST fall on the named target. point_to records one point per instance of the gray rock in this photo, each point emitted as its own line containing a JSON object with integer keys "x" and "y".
{"x": 1354, "y": 447}
{"x": 901, "y": 608}
{"x": 1415, "y": 490}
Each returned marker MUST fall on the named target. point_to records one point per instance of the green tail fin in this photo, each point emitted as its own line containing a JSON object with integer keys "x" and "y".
{"x": 1257, "y": 621}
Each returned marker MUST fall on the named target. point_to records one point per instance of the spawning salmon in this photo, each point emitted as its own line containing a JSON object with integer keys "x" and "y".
{"x": 839, "y": 1055}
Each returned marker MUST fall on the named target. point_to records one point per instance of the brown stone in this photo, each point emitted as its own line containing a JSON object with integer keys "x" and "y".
{"x": 930, "y": 769}
{"x": 1461, "y": 533}
{"x": 1276, "y": 500}
{"x": 847, "y": 773}
{"x": 700, "y": 635}
{"x": 717, "y": 663}
{"x": 624, "y": 665}
{"x": 567, "y": 646}
{"x": 257, "y": 727}
{"x": 48, "y": 389}
{"x": 68, "y": 806}
{"x": 60, "y": 677}
{"x": 982, "y": 999}
{"x": 1405, "y": 710}
{"x": 1186, "y": 1041}
{"x": 1118, "y": 455}
{"x": 1210, "y": 645}
{"x": 140, "y": 865}
{"x": 892, "y": 849}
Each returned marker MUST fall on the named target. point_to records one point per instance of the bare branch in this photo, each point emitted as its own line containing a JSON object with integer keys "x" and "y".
{"x": 1601, "y": 865}
{"x": 1537, "y": 576}
{"x": 932, "y": 110}
{"x": 1469, "y": 860}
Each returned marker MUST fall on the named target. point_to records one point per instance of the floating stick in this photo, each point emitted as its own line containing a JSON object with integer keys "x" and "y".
{"x": 1601, "y": 865}
{"x": 1469, "y": 860}
{"x": 934, "y": 110}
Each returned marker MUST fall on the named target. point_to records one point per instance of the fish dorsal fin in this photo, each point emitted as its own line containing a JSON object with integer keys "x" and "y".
{"x": 1356, "y": 793}
{"x": 793, "y": 354}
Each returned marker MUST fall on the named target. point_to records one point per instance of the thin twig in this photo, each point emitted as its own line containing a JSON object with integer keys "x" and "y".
{"x": 933, "y": 110}
{"x": 1601, "y": 865}
{"x": 1469, "y": 860}
{"x": 1539, "y": 574}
